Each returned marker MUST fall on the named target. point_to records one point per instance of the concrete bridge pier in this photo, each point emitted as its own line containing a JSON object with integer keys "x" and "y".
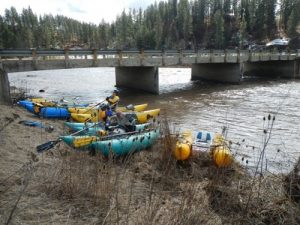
{"x": 4, "y": 87}
{"x": 297, "y": 68}
{"x": 141, "y": 78}
{"x": 221, "y": 72}
{"x": 278, "y": 68}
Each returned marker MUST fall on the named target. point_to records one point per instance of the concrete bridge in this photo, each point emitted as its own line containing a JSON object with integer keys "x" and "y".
{"x": 139, "y": 69}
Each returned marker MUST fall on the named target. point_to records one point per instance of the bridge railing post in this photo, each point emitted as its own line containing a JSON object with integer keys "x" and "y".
{"x": 120, "y": 55}
{"x": 259, "y": 56}
{"x": 163, "y": 57}
{"x": 1, "y": 65}
{"x": 250, "y": 55}
{"x": 34, "y": 59}
{"x": 211, "y": 53}
{"x": 142, "y": 56}
{"x": 95, "y": 58}
{"x": 66, "y": 53}
{"x": 180, "y": 60}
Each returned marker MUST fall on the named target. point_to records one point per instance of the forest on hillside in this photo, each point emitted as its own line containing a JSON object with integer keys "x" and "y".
{"x": 174, "y": 24}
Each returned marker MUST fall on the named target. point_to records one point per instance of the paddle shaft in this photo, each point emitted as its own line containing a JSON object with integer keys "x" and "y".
{"x": 89, "y": 119}
{"x": 50, "y": 144}
{"x": 94, "y": 106}
{"x": 99, "y": 104}
{"x": 127, "y": 133}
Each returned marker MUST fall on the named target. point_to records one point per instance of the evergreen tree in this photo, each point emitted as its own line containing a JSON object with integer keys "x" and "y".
{"x": 243, "y": 30}
{"x": 270, "y": 17}
{"x": 260, "y": 26}
{"x": 164, "y": 25}
{"x": 103, "y": 29}
{"x": 158, "y": 28}
{"x": 285, "y": 12}
{"x": 12, "y": 30}
{"x": 2, "y": 24}
{"x": 199, "y": 13}
{"x": 29, "y": 26}
{"x": 184, "y": 26}
{"x": 293, "y": 22}
{"x": 227, "y": 7}
{"x": 124, "y": 30}
{"x": 219, "y": 29}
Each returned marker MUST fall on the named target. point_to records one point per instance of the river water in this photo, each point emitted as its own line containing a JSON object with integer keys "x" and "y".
{"x": 196, "y": 106}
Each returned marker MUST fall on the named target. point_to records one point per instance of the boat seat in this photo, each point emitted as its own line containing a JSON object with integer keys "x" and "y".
{"x": 204, "y": 136}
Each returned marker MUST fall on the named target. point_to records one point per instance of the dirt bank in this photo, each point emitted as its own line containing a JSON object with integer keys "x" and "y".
{"x": 67, "y": 187}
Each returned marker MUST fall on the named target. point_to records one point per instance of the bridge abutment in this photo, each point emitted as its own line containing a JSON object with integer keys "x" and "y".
{"x": 141, "y": 78}
{"x": 280, "y": 68}
{"x": 4, "y": 87}
{"x": 221, "y": 72}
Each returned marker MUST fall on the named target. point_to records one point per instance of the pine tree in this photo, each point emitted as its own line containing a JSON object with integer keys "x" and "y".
{"x": 12, "y": 30}
{"x": 293, "y": 22}
{"x": 199, "y": 13}
{"x": 260, "y": 20}
{"x": 243, "y": 30}
{"x": 270, "y": 17}
{"x": 2, "y": 24}
{"x": 184, "y": 27}
{"x": 219, "y": 29}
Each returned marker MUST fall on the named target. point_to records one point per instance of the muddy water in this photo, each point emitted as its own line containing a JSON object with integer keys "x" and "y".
{"x": 197, "y": 106}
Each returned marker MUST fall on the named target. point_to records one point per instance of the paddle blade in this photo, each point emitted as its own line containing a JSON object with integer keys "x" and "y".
{"x": 46, "y": 146}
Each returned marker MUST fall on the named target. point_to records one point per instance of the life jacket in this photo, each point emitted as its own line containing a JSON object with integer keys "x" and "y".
{"x": 113, "y": 101}
{"x": 37, "y": 108}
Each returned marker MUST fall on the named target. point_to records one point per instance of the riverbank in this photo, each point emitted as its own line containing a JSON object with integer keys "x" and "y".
{"x": 67, "y": 187}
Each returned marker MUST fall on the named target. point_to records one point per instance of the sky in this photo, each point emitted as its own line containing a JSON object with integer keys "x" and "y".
{"x": 90, "y": 11}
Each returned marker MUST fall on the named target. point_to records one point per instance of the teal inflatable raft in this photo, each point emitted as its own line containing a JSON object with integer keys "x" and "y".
{"x": 126, "y": 145}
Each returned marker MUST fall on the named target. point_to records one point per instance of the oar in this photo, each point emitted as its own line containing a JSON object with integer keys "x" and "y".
{"x": 124, "y": 134}
{"x": 94, "y": 106}
{"x": 88, "y": 140}
{"x": 50, "y": 144}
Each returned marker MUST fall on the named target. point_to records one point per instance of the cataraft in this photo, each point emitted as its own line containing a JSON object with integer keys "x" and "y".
{"x": 126, "y": 144}
{"x": 48, "y": 109}
{"x": 99, "y": 115}
{"x": 99, "y": 128}
{"x": 115, "y": 144}
{"x": 215, "y": 144}
{"x": 42, "y": 102}
{"x": 45, "y": 111}
{"x": 91, "y": 110}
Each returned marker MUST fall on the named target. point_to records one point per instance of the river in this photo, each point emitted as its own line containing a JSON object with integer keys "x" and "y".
{"x": 196, "y": 106}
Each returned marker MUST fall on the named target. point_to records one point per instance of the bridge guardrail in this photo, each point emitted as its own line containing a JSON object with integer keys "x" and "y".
{"x": 15, "y": 53}
{"x": 192, "y": 56}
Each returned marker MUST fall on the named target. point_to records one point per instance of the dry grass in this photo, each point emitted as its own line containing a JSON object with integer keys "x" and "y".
{"x": 149, "y": 187}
